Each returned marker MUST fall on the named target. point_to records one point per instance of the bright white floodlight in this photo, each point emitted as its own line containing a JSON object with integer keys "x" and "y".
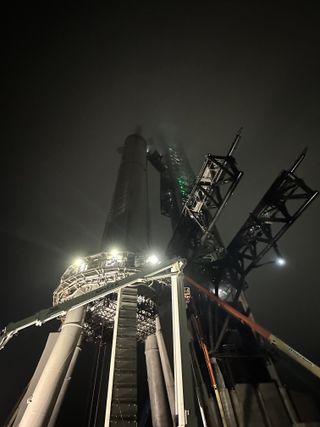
{"x": 281, "y": 261}
{"x": 78, "y": 261}
{"x": 152, "y": 259}
{"x": 80, "y": 264}
{"x": 114, "y": 252}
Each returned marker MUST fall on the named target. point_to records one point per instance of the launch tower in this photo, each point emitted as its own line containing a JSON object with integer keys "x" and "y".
{"x": 208, "y": 363}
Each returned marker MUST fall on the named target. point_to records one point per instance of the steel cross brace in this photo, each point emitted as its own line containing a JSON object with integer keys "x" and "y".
{"x": 61, "y": 309}
{"x": 264, "y": 333}
{"x": 206, "y": 201}
{"x": 271, "y": 218}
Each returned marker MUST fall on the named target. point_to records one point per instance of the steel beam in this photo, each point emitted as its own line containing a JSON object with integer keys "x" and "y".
{"x": 112, "y": 362}
{"x": 61, "y": 309}
{"x": 46, "y": 392}
{"x": 166, "y": 368}
{"x": 157, "y": 391}
{"x": 52, "y": 338}
{"x": 184, "y": 390}
{"x": 264, "y": 333}
{"x": 65, "y": 385}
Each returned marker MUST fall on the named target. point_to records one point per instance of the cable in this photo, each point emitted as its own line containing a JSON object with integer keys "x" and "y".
{"x": 97, "y": 361}
{"x": 101, "y": 375}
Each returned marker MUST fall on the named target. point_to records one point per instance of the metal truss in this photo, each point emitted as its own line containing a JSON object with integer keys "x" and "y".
{"x": 264, "y": 333}
{"x": 217, "y": 179}
{"x": 279, "y": 208}
{"x": 214, "y": 185}
{"x": 185, "y": 412}
{"x": 59, "y": 310}
{"x": 283, "y": 203}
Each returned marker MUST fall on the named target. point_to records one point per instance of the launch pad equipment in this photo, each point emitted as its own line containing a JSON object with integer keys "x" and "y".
{"x": 223, "y": 374}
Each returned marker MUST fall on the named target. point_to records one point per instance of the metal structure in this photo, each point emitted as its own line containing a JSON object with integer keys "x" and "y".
{"x": 214, "y": 365}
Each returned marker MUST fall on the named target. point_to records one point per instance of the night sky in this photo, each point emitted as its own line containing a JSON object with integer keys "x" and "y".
{"x": 77, "y": 79}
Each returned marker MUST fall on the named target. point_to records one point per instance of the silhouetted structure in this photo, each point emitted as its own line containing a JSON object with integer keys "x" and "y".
{"x": 215, "y": 366}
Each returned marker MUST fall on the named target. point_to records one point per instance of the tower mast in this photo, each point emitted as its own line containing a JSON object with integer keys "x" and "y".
{"x": 222, "y": 374}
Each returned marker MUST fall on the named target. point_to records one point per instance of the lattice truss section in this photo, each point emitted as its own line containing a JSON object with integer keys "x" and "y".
{"x": 102, "y": 313}
{"x": 196, "y": 231}
{"x": 98, "y": 270}
{"x": 279, "y": 208}
{"x": 215, "y": 184}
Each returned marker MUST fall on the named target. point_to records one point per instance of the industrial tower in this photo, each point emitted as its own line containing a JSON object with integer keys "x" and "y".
{"x": 208, "y": 363}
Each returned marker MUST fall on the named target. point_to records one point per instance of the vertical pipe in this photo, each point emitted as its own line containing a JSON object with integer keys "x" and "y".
{"x": 112, "y": 362}
{"x": 183, "y": 385}
{"x": 214, "y": 383}
{"x": 158, "y": 400}
{"x": 209, "y": 412}
{"x": 65, "y": 385}
{"x": 210, "y": 325}
{"x": 166, "y": 368}
{"x": 229, "y": 413}
{"x": 44, "y": 397}
{"x": 203, "y": 346}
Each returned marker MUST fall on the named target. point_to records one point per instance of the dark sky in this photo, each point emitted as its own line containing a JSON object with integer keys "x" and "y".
{"x": 78, "y": 78}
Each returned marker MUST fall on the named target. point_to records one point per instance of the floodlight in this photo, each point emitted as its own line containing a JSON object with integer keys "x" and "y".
{"x": 114, "y": 252}
{"x": 152, "y": 259}
{"x": 78, "y": 261}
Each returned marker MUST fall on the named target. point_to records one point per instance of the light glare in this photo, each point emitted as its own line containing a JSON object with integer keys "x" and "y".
{"x": 152, "y": 259}
{"x": 78, "y": 261}
{"x": 114, "y": 252}
{"x": 281, "y": 261}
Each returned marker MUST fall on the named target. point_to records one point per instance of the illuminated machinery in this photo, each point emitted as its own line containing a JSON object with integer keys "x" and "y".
{"x": 213, "y": 366}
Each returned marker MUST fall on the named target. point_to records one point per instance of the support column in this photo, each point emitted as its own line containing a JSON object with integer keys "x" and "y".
{"x": 52, "y": 338}
{"x": 112, "y": 361}
{"x": 183, "y": 385}
{"x": 158, "y": 399}
{"x": 208, "y": 408}
{"x": 65, "y": 385}
{"x": 166, "y": 368}
{"x": 271, "y": 369}
{"x": 46, "y": 392}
